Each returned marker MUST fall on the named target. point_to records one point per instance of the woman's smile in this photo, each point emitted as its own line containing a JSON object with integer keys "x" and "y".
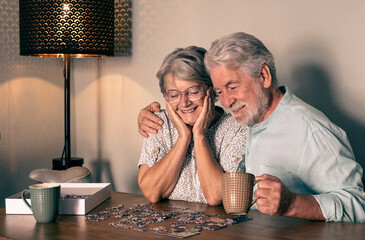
{"x": 188, "y": 111}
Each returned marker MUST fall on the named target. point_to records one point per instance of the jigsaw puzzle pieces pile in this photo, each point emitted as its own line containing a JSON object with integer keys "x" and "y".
{"x": 184, "y": 223}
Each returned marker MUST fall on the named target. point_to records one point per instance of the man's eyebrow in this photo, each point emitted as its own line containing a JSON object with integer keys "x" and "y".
{"x": 230, "y": 82}
{"x": 226, "y": 85}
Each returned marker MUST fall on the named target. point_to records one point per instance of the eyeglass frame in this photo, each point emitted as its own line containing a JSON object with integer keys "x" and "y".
{"x": 201, "y": 89}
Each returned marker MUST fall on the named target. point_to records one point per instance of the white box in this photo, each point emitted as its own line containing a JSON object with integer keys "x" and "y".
{"x": 98, "y": 192}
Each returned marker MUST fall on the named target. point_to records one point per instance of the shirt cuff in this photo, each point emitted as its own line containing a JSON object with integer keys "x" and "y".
{"x": 331, "y": 207}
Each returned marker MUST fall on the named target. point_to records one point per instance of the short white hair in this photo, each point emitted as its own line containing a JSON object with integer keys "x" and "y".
{"x": 241, "y": 50}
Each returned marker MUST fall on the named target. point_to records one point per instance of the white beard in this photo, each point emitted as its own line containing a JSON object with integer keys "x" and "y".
{"x": 252, "y": 114}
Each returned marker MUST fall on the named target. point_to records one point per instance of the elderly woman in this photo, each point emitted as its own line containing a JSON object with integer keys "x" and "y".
{"x": 197, "y": 142}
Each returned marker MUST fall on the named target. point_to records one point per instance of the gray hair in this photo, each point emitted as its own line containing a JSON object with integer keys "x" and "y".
{"x": 186, "y": 64}
{"x": 241, "y": 50}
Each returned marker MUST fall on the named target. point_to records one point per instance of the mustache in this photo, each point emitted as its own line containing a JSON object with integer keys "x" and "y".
{"x": 236, "y": 106}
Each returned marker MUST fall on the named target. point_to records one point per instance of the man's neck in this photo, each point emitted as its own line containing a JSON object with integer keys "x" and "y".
{"x": 275, "y": 97}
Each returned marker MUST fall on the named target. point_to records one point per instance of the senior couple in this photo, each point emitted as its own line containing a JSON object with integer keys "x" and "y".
{"x": 303, "y": 163}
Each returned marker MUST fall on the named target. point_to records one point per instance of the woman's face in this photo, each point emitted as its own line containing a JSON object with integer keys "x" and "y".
{"x": 188, "y": 110}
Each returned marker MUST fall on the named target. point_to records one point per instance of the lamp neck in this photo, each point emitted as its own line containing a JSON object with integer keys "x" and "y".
{"x": 67, "y": 159}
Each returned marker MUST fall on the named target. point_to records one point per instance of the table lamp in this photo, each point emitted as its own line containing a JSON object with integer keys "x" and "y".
{"x": 66, "y": 29}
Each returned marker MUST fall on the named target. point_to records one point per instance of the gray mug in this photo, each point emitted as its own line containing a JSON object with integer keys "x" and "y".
{"x": 44, "y": 198}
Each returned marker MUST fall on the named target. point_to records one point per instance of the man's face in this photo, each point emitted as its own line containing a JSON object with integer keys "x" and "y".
{"x": 244, "y": 96}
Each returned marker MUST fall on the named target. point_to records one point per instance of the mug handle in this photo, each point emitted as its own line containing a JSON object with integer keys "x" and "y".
{"x": 24, "y": 199}
{"x": 254, "y": 200}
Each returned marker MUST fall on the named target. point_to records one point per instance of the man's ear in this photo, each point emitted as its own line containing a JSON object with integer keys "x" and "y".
{"x": 265, "y": 76}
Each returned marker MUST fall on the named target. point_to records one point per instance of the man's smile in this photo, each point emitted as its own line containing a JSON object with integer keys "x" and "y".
{"x": 237, "y": 110}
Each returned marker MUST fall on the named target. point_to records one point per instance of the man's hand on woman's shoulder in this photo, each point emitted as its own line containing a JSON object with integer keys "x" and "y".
{"x": 149, "y": 122}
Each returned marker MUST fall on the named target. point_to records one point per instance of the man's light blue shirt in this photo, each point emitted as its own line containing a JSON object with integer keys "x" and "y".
{"x": 311, "y": 156}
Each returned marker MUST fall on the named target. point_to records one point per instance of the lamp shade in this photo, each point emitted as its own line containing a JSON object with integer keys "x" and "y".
{"x": 80, "y": 28}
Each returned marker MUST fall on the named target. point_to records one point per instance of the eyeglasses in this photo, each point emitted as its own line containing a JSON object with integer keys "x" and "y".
{"x": 192, "y": 93}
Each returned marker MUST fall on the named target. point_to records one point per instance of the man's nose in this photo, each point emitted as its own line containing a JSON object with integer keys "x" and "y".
{"x": 226, "y": 100}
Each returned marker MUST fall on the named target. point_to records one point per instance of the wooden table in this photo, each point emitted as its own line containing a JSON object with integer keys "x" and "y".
{"x": 260, "y": 227}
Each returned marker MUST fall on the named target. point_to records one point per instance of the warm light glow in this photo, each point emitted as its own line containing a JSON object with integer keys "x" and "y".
{"x": 66, "y": 7}
{"x": 66, "y": 10}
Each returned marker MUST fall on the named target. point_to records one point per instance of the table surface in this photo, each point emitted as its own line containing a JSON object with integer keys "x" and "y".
{"x": 260, "y": 227}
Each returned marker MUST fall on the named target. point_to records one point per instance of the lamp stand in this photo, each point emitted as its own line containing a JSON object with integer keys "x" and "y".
{"x": 66, "y": 161}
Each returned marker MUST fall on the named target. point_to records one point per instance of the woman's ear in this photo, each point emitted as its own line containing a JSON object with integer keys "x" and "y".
{"x": 265, "y": 76}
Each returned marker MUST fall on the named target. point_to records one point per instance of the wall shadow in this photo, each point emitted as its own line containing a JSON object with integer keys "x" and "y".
{"x": 133, "y": 184}
{"x": 101, "y": 168}
{"x": 313, "y": 85}
{"x": 101, "y": 172}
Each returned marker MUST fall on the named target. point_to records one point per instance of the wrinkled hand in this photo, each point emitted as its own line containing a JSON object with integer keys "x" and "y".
{"x": 149, "y": 122}
{"x": 206, "y": 116}
{"x": 182, "y": 128}
{"x": 273, "y": 197}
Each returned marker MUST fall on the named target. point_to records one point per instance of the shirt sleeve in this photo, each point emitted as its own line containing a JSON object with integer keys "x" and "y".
{"x": 154, "y": 147}
{"x": 151, "y": 151}
{"x": 328, "y": 167}
{"x": 233, "y": 148}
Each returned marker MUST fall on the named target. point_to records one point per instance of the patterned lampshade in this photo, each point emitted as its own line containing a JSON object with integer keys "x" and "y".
{"x": 80, "y": 28}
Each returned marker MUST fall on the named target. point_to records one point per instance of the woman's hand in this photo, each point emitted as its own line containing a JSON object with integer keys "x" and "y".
{"x": 182, "y": 128}
{"x": 206, "y": 116}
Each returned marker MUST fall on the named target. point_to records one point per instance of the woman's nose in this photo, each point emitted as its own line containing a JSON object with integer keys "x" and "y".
{"x": 184, "y": 100}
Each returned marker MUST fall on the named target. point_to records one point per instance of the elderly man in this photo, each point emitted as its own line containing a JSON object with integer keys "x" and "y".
{"x": 303, "y": 163}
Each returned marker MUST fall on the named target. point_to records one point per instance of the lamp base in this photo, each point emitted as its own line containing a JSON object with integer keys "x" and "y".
{"x": 75, "y": 161}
